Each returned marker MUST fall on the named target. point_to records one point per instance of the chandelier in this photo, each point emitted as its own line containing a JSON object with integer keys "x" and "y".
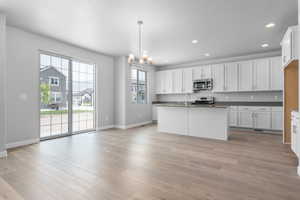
{"x": 142, "y": 57}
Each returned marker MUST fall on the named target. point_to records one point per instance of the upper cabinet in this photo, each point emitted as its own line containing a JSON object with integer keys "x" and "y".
{"x": 177, "y": 81}
{"x": 254, "y": 75}
{"x": 187, "y": 80}
{"x": 203, "y": 72}
{"x": 245, "y": 76}
{"x": 261, "y": 72}
{"x": 289, "y": 45}
{"x": 231, "y": 77}
{"x": 276, "y": 74}
{"x": 218, "y": 77}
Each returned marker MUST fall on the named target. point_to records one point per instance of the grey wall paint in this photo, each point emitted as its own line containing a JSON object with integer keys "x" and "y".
{"x": 127, "y": 113}
{"x": 120, "y": 97}
{"x": 23, "y": 82}
{"x": 2, "y": 81}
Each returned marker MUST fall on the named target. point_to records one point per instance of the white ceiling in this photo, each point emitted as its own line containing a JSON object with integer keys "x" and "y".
{"x": 223, "y": 27}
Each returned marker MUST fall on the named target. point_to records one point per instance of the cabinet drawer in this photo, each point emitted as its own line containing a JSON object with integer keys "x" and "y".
{"x": 245, "y": 108}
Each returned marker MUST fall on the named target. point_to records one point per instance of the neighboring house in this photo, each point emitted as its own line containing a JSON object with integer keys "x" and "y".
{"x": 84, "y": 97}
{"x": 57, "y": 82}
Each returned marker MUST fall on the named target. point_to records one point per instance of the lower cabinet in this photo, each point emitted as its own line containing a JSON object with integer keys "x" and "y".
{"x": 265, "y": 118}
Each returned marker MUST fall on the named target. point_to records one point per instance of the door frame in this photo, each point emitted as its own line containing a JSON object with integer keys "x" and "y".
{"x": 69, "y": 97}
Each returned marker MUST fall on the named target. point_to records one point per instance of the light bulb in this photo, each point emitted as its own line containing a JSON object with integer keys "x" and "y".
{"x": 141, "y": 61}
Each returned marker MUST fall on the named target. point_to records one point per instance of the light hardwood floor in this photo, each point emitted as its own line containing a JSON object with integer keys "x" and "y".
{"x": 141, "y": 164}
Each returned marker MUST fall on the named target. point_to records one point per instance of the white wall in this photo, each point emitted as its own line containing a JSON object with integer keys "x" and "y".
{"x": 128, "y": 113}
{"x": 23, "y": 82}
{"x": 2, "y": 83}
{"x": 120, "y": 91}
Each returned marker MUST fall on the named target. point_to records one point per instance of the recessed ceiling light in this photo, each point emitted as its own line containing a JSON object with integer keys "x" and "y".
{"x": 195, "y": 41}
{"x": 206, "y": 54}
{"x": 265, "y": 45}
{"x": 270, "y": 25}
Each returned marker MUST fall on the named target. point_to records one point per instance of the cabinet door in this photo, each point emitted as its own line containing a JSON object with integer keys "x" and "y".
{"x": 206, "y": 72}
{"x": 261, "y": 74}
{"x": 262, "y": 120}
{"x": 187, "y": 80}
{"x": 245, "y": 76}
{"x": 231, "y": 74}
{"x": 276, "y": 74}
{"x": 218, "y": 75}
{"x": 245, "y": 118}
{"x": 177, "y": 81}
{"x": 168, "y": 82}
{"x": 277, "y": 121}
{"x": 197, "y": 73}
{"x": 159, "y": 89}
{"x": 233, "y": 118}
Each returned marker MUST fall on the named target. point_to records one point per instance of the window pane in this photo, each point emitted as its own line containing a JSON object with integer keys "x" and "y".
{"x": 133, "y": 74}
{"x": 45, "y": 60}
{"x": 55, "y": 61}
{"x": 141, "y": 96}
{"x": 133, "y": 90}
{"x": 142, "y": 76}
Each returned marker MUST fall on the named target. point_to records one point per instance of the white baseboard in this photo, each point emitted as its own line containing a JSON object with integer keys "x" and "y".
{"x": 105, "y": 127}
{"x": 133, "y": 125}
{"x": 3, "y": 154}
{"x": 298, "y": 170}
{"x": 22, "y": 143}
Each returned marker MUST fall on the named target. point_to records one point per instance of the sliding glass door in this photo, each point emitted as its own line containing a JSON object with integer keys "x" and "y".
{"x": 67, "y": 96}
{"x": 83, "y": 94}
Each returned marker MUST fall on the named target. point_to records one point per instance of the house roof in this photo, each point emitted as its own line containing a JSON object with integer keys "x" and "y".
{"x": 51, "y": 67}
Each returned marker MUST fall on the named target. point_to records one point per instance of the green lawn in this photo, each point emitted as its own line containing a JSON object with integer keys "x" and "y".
{"x": 58, "y": 112}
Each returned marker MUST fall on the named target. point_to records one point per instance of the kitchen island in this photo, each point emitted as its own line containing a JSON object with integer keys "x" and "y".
{"x": 206, "y": 121}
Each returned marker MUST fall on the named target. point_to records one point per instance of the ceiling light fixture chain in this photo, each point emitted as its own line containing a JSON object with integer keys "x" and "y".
{"x": 142, "y": 57}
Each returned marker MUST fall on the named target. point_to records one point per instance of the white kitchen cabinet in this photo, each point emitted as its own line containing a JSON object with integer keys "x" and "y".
{"x": 289, "y": 45}
{"x": 231, "y": 77}
{"x": 177, "y": 81}
{"x": 187, "y": 83}
{"x": 245, "y": 117}
{"x": 276, "y": 74}
{"x": 159, "y": 82}
{"x": 245, "y": 76}
{"x": 218, "y": 75}
{"x": 168, "y": 81}
{"x": 233, "y": 116}
{"x": 203, "y": 72}
{"x": 261, "y": 117}
{"x": 277, "y": 118}
{"x": 261, "y": 72}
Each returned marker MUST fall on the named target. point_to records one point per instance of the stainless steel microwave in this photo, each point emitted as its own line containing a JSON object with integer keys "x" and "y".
{"x": 202, "y": 84}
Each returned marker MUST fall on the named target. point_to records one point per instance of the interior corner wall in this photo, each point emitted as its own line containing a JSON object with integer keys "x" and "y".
{"x": 2, "y": 82}
{"x": 23, "y": 82}
{"x": 128, "y": 114}
{"x": 119, "y": 91}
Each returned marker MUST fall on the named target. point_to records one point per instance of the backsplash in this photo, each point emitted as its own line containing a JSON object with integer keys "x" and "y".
{"x": 235, "y": 96}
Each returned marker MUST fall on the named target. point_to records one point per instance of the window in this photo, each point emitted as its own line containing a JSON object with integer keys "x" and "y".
{"x": 55, "y": 97}
{"x": 138, "y": 86}
{"x": 54, "y": 81}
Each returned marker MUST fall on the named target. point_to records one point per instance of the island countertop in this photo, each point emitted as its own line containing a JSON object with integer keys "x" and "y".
{"x": 189, "y": 105}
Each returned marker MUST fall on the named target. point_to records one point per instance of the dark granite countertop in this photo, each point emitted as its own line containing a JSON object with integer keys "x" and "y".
{"x": 224, "y": 103}
{"x": 189, "y": 105}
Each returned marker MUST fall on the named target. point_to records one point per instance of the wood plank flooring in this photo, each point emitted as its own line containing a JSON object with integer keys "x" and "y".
{"x": 143, "y": 164}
